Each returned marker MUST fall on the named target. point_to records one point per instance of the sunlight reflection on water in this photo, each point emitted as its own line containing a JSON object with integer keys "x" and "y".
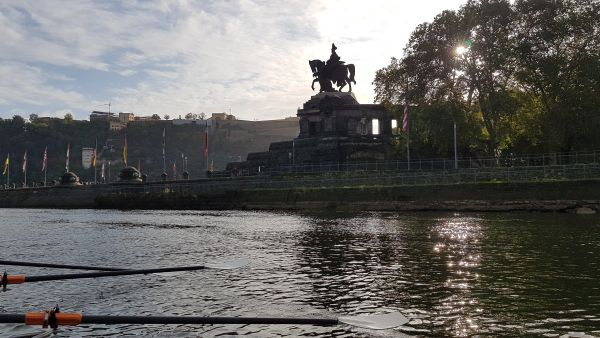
{"x": 450, "y": 274}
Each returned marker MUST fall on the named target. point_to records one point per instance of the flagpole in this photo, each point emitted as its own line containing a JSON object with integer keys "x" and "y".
{"x": 24, "y": 169}
{"x": 206, "y": 145}
{"x": 8, "y": 172}
{"x": 406, "y": 129}
{"x": 164, "y": 148}
{"x": 95, "y": 159}
{"x": 45, "y": 163}
{"x": 125, "y": 151}
{"x": 102, "y": 173}
{"x": 408, "y": 145}
{"x": 68, "y": 155}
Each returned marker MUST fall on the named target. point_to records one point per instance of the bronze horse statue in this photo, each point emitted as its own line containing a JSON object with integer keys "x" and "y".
{"x": 326, "y": 74}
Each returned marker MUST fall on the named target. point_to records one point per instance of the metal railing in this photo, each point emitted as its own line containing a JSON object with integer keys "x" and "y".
{"x": 574, "y": 165}
{"x": 527, "y": 160}
{"x": 480, "y": 175}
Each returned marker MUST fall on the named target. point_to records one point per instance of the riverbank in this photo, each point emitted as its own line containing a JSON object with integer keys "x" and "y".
{"x": 554, "y": 196}
{"x": 581, "y": 196}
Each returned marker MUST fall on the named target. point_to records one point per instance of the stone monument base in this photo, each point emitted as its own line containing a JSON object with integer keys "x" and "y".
{"x": 334, "y": 128}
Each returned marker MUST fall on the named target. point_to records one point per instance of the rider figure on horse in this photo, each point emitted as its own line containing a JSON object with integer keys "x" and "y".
{"x": 333, "y": 62}
{"x": 332, "y": 72}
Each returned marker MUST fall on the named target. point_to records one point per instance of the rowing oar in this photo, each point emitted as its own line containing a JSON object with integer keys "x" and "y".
{"x": 60, "y": 266}
{"x": 218, "y": 265}
{"x": 55, "y": 319}
{"x": 19, "y": 279}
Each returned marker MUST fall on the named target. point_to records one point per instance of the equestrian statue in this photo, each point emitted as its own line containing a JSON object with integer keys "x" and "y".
{"x": 333, "y": 72}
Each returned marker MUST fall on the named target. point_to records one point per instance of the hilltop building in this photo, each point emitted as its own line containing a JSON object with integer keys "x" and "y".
{"x": 101, "y": 116}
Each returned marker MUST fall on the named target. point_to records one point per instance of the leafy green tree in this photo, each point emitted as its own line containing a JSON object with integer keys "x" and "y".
{"x": 558, "y": 45}
{"x": 514, "y": 77}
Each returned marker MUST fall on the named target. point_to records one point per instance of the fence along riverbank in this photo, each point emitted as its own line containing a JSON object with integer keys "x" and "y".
{"x": 319, "y": 189}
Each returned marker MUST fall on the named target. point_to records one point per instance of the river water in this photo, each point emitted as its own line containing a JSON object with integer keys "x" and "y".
{"x": 451, "y": 274}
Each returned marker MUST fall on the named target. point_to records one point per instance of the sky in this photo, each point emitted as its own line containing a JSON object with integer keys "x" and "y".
{"x": 173, "y": 57}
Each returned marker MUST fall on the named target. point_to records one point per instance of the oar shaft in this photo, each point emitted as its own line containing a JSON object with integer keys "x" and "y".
{"x": 59, "y": 266}
{"x": 12, "y": 318}
{"x": 37, "y": 318}
{"x": 89, "y": 319}
{"x": 30, "y": 279}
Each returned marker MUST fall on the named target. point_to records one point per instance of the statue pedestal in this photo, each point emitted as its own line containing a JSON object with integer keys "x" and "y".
{"x": 334, "y": 128}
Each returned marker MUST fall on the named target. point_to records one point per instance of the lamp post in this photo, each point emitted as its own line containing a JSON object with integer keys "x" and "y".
{"x": 455, "y": 147}
{"x": 460, "y": 50}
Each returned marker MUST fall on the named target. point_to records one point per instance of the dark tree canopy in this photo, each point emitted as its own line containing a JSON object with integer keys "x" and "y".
{"x": 521, "y": 77}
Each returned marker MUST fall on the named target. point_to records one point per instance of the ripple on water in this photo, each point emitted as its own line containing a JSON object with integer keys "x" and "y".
{"x": 449, "y": 274}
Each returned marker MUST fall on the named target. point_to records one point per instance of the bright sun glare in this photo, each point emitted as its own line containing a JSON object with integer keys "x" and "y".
{"x": 460, "y": 50}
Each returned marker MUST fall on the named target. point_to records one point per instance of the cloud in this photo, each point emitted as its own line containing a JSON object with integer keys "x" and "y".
{"x": 174, "y": 57}
{"x": 21, "y": 83}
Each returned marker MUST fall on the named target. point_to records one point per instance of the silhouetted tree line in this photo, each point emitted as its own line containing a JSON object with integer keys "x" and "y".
{"x": 516, "y": 78}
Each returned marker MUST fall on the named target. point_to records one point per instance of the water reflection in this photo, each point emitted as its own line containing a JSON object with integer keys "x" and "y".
{"x": 344, "y": 257}
{"x": 450, "y": 274}
{"x": 456, "y": 243}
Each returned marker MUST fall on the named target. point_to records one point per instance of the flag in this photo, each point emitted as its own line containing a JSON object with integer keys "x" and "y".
{"x": 6, "y": 163}
{"x": 68, "y": 155}
{"x": 102, "y": 170}
{"x": 45, "y": 160}
{"x": 94, "y": 154}
{"x": 405, "y": 116}
{"x": 164, "y": 134}
{"x": 25, "y": 161}
{"x": 125, "y": 151}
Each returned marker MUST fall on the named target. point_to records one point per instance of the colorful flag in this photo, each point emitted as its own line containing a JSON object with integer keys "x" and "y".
{"x": 125, "y": 151}
{"x": 94, "y": 154}
{"x": 45, "y": 160}
{"x": 25, "y": 161}
{"x": 405, "y": 116}
{"x": 68, "y": 156}
{"x": 6, "y": 163}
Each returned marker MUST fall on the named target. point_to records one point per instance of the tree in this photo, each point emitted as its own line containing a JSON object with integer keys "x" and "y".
{"x": 189, "y": 116}
{"x": 18, "y": 124}
{"x": 33, "y": 117}
{"x": 558, "y": 62}
{"x": 167, "y": 117}
{"x": 525, "y": 76}
{"x": 68, "y": 117}
{"x": 202, "y": 116}
{"x": 155, "y": 117}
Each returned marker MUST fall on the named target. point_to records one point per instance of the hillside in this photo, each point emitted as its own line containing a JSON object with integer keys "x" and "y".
{"x": 228, "y": 141}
